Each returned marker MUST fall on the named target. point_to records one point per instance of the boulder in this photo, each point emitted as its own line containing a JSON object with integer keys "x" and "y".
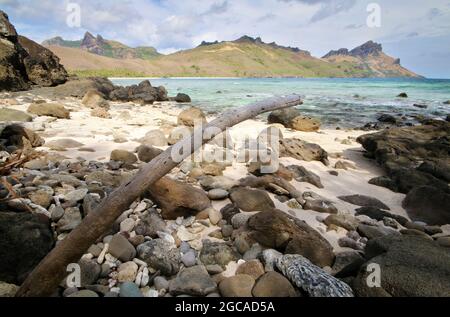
{"x": 428, "y": 204}
{"x": 345, "y": 221}
{"x": 364, "y": 201}
{"x": 123, "y": 156}
{"x": 293, "y": 119}
{"x": 412, "y": 156}
{"x": 237, "y": 286}
{"x": 189, "y": 117}
{"x": 310, "y": 278}
{"x": 273, "y": 284}
{"x": 301, "y": 174}
{"x": 24, "y": 63}
{"x": 15, "y": 134}
{"x": 253, "y": 268}
{"x": 94, "y": 99}
{"x": 100, "y": 113}
{"x": 182, "y": 98}
{"x": 49, "y": 109}
{"x": 303, "y": 151}
{"x": 121, "y": 248}
{"x": 194, "y": 281}
{"x": 251, "y": 199}
{"x": 150, "y": 224}
{"x": 26, "y": 240}
{"x": 379, "y": 215}
{"x": 154, "y": 138}
{"x": 410, "y": 266}
{"x": 13, "y": 75}
{"x": 177, "y": 199}
{"x": 42, "y": 66}
{"x": 218, "y": 253}
{"x": 11, "y": 115}
{"x": 160, "y": 255}
{"x": 147, "y": 153}
{"x": 275, "y": 229}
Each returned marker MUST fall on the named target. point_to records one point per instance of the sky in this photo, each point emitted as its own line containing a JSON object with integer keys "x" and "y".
{"x": 416, "y": 31}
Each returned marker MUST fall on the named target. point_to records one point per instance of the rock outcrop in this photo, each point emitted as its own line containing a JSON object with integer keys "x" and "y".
{"x": 416, "y": 159}
{"x": 24, "y": 63}
{"x": 410, "y": 266}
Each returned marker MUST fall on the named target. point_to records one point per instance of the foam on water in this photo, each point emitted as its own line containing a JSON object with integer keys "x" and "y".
{"x": 338, "y": 102}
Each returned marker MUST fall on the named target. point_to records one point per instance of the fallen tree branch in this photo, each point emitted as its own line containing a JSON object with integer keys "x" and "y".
{"x": 46, "y": 277}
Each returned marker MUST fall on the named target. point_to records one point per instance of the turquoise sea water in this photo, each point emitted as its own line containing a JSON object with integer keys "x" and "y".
{"x": 338, "y": 102}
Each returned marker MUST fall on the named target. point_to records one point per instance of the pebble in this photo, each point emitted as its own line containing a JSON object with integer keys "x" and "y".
{"x": 76, "y": 195}
{"x": 185, "y": 235}
{"x": 129, "y": 289}
{"x": 84, "y": 293}
{"x": 227, "y": 231}
{"x": 141, "y": 207}
{"x": 189, "y": 259}
{"x": 218, "y": 194}
{"x": 127, "y": 225}
{"x": 101, "y": 256}
{"x": 160, "y": 283}
{"x": 214, "y": 215}
{"x": 127, "y": 272}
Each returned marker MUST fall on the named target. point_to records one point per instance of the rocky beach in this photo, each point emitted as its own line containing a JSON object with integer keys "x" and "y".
{"x": 341, "y": 200}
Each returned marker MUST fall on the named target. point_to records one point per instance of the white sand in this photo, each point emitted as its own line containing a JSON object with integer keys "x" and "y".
{"x": 99, "y": 135}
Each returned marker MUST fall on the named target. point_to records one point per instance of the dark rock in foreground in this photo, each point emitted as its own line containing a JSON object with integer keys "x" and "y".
{"x": 410, "y": 267}
{"x": 428, "y": 204}
{"x": 277, "y": 230}
{"x": 312, "y": 279}
{"x": 25, "y": 240}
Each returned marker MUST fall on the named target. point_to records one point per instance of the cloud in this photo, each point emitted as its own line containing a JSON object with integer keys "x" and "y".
{"x": 218, "y": 8}
{"x": 327, "y": 8}
{"x": 170, "y": 25}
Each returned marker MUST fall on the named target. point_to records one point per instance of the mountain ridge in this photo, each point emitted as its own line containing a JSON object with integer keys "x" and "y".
{"x": 244, "y": 57}
{"x": 108, "y": 48}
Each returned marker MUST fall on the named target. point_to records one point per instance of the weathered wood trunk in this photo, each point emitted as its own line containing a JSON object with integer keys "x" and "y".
{"x": 46, "y": 277}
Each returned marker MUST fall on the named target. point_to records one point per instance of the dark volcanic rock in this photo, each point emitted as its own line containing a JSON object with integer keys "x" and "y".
{"x": 302, "y": 150}
{"x": 379, "y": 215}
{"x": 25, "y": 240}
{"x": 277, "y": 230}
{"x": 177, "y": 199}
{"x": 42, "y": 66}
{"x": 410, "y": 267}
{"x": 401, "y": 150}
{"x": 428, "y": 204}
{"x": 15, "y": 134}
{"x": 24, "y": 63}
{"x": 251, "y": 199}
{"x": 13, "y": 75}
{"x": 364, "y": 201}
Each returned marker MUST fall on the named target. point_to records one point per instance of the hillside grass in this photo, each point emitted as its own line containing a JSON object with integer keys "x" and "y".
{"x": 108, "y": 73}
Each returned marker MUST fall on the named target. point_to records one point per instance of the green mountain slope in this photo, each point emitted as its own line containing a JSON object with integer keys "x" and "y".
{"x": 245, "y": 57}
{"x": 99, "y": 46}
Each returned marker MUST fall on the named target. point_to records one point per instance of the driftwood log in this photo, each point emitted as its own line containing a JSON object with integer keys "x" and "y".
{"x": 46, "y": 277}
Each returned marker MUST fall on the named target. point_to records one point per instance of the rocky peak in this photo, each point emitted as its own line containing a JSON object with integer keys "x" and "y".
{"x": 342, "y": 51}
{"x": 368, "y": 48}
{"x": 249, "y": 39}
{"x": 204, "y": 43}
{"x": 93, "y": 44}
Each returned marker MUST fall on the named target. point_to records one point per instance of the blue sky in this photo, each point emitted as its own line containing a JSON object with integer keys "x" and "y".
{"x": 416, "y": 31}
